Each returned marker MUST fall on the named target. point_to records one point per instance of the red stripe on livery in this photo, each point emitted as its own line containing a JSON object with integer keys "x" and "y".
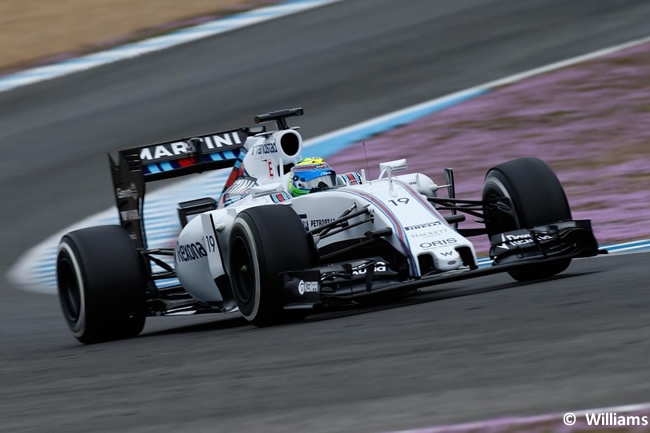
{"x": 185, "y": 162}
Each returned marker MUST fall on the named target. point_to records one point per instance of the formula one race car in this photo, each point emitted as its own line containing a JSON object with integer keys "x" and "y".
{"x": 274, "y": 253}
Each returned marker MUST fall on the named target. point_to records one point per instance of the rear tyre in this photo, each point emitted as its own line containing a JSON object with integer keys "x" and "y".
{"x": 101, "y": 284}
{"x": 265, "y": 241}
{"x": 536, "y": 198}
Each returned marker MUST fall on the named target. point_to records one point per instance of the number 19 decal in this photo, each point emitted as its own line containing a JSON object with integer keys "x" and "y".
{"x": 401, "y": 200}
{"x": 212, "y": 244}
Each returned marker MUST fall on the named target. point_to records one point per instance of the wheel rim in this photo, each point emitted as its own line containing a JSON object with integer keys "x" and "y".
{"x": 500, "y": 220}
{"x": 69, "y": 290}
{"x": 243, "y": 267}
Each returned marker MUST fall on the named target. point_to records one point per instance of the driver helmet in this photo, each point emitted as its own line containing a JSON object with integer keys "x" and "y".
{"x": 310, "y": 174}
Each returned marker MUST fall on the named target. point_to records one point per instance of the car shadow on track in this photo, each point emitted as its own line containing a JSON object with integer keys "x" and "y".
{"x": 380, "y": 304}
{"x": 434, "y": 295}
{"x": 233, "y": 321}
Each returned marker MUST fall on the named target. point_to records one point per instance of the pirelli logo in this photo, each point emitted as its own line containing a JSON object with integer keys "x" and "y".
{"x": 423, "y": 226}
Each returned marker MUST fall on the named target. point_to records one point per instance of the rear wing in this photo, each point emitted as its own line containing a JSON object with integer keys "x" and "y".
{"x": 138, "y": 165}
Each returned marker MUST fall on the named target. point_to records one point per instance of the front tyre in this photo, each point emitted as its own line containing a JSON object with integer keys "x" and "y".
{"x": 265, "y": 241}
{"x": 101, "y": 284}
{"x": 535, "y": 197}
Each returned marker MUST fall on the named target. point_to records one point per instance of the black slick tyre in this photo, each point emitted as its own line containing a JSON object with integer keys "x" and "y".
{"x": 264, "y": 241}
{"x": 536, "y": 197}
{"x": 101, "y": 284}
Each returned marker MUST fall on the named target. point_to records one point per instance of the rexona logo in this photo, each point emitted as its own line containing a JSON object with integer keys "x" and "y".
{"x": 423, "y": 226}
{"x": 189, "y": 252}
{"x": 181, "y": 148}
{"x": 436, "y": 244}
{"x": 307, "y": 287}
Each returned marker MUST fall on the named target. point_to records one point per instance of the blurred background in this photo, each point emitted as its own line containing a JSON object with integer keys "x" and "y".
{"x": 41, "y": 31}
{"x": 463, "y": 352}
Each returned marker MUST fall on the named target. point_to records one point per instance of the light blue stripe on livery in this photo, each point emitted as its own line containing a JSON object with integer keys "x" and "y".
{"x": 222, "y": 156}
{"x": 151, "y": 168}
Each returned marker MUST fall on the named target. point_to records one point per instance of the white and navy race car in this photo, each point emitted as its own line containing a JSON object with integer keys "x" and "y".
{"x": 275, "y": 257}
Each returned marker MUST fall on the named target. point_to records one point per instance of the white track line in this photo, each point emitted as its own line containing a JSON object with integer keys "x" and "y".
{"x": 381, "y": 123}
{"x": 158, "y": 43}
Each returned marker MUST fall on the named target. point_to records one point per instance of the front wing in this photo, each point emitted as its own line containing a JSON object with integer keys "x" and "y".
{"x": 346, "y": 282}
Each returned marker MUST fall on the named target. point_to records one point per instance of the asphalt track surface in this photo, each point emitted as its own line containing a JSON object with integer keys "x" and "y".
{"x": 572, "y": 342}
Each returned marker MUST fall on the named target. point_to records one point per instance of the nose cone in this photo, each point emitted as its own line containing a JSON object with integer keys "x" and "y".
{"x": 446, "y": 260}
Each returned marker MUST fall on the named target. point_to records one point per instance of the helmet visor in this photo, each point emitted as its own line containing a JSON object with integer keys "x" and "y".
{"x": 310, "y": 180}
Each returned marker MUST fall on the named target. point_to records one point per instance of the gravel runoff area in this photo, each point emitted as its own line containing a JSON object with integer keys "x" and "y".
{"x": 589, "y": 122}
{"x": 42, "y": 31}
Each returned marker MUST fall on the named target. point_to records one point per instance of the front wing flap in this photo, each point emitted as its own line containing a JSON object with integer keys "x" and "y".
{"x": 564, "y": 238}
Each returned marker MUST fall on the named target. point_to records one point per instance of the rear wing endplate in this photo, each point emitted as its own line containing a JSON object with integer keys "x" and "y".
{"x": 138, "y": 165}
